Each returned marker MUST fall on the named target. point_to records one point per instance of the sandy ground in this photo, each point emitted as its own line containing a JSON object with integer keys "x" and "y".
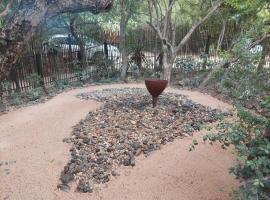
{"x": 32, "y": 137}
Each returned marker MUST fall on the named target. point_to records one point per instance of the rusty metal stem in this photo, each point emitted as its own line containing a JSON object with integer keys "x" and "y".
{"x": 154, "y": 101}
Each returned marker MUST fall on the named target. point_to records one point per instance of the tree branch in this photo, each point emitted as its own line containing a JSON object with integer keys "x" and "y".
{"x": 226, "y": 64}
{"x": 161, "y": 32}
{"x": 7, "y": 9}
{"x": 197, "y": 24}
{"x": 167, "y": 18}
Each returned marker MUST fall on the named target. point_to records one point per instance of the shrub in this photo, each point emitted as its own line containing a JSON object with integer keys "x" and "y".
{"x": 253, "y": 150}
{"x": 34, "y": 94}
{"x": 16, "y": 99}
{"x": 217, "y": 75}
{"x": 34, "y": 80}
{"x": 187, "y": 64}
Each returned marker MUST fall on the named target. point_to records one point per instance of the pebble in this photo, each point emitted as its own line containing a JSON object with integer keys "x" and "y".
{"x": 115, "y": 173}
{"x": 84, "y": 186}
{"x": 63, "y": 187}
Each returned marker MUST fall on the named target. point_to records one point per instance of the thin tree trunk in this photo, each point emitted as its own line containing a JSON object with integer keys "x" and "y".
{"x": 266, "y": 48}
{"x": 123, "y": 42}
{"x": 221, "y": 37}
{"x": 206, "y": 51}
{"x": 124, "y": 64}
{"x": 75, "y": 34}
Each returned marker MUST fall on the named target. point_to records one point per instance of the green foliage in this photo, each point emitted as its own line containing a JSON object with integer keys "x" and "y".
{"x": 218, "y": 75}
{"x": 194, "y": 64}
{"x": 34, "y": 80}
{"x": 193, "y": 144}
{"x": 187, "y": 64}
{"x": 34, "y": 93}
{"x": 5, "y": 103}
{"x": 104, "y": 69}
{"x": 5, "y": 86}
{"x": 16, "y": 98}
{"x": 242, "y": 84}
{"x": 253, "y": 149}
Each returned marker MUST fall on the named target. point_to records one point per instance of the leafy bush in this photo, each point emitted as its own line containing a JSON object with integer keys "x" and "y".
{"x": 218, "y": 75}
{"x": 16, "y": 99}
{"x": 104, "y": 69}
{"x": 5, "y": 104}
{"x": 34, "y": 94}
{"x": 244, "y": 86}
{"x": 187, "y": 64}
{"x": 34, "y": 80}
{"x": 253, "y": 148}
{"x": 5, "y": 86}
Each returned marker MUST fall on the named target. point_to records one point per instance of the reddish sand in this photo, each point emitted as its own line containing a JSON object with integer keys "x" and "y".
{"x": 32, "y": 137}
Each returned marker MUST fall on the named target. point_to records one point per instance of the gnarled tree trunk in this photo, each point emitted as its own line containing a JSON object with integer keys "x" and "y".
{"x": 28, "y": 16}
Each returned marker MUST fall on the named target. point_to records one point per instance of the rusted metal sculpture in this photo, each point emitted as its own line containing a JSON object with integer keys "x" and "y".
{"x": 155, "y": 88}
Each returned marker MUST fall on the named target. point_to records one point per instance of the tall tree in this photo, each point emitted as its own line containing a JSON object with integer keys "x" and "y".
{"x": 163, "y": 19}
{"x": 25, "y": 19}
{"x": 127, "y": 10}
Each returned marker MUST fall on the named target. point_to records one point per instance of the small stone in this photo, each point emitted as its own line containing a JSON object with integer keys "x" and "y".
{"x": 133, "y": 122}
{"x": 115, "y": 173}
{"x": 145, "y": 142}
{"x": 63, "y": 187}
{"x": 86, "y": 140}
{"x": 136, "y": 145}
{"x": 66, "y": 178}
{"x": 84, "y": 187}
{"x": 138, "y": 152}
{"x": 67, "y": 140}
{"x": 126, "y": 162}
{"x": 132, "y": 161}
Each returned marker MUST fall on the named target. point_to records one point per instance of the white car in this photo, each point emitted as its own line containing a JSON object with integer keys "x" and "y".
{"x": 59, "y": 42}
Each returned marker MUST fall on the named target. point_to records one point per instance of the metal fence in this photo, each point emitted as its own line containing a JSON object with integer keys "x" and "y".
{"x": 48, "y": 66}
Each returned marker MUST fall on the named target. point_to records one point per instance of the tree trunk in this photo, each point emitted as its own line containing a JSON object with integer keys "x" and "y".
{"x": 167, "y": 71}
{"x": 79, "y": 40}
{"x": 206, "y": 51}
{"x": 69, "y": 49}
{"x": 124, "y": 64}
{"x": 123, "y": 45}
{"x": 29, "y": 15}
{"x": 266, "y": 48}
{"x": 168, "y": 60}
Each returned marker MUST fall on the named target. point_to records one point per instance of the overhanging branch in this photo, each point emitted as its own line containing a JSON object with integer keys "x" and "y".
{"x": 211, "y": 11}
{"x": 7, "y": 9}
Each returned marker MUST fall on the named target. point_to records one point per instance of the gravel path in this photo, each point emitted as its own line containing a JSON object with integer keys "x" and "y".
{"x": 32, "y": 156}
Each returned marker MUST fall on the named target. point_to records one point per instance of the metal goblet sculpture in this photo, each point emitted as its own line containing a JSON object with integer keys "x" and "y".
{"x": 155, "y": 87}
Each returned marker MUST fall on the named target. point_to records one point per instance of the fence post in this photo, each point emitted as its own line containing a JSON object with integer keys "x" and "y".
{"x": 69, "y": 47}
{"x": 14, "y": 78}
{"x": 39, "y": 68}
{"x": 106, "y": 51}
